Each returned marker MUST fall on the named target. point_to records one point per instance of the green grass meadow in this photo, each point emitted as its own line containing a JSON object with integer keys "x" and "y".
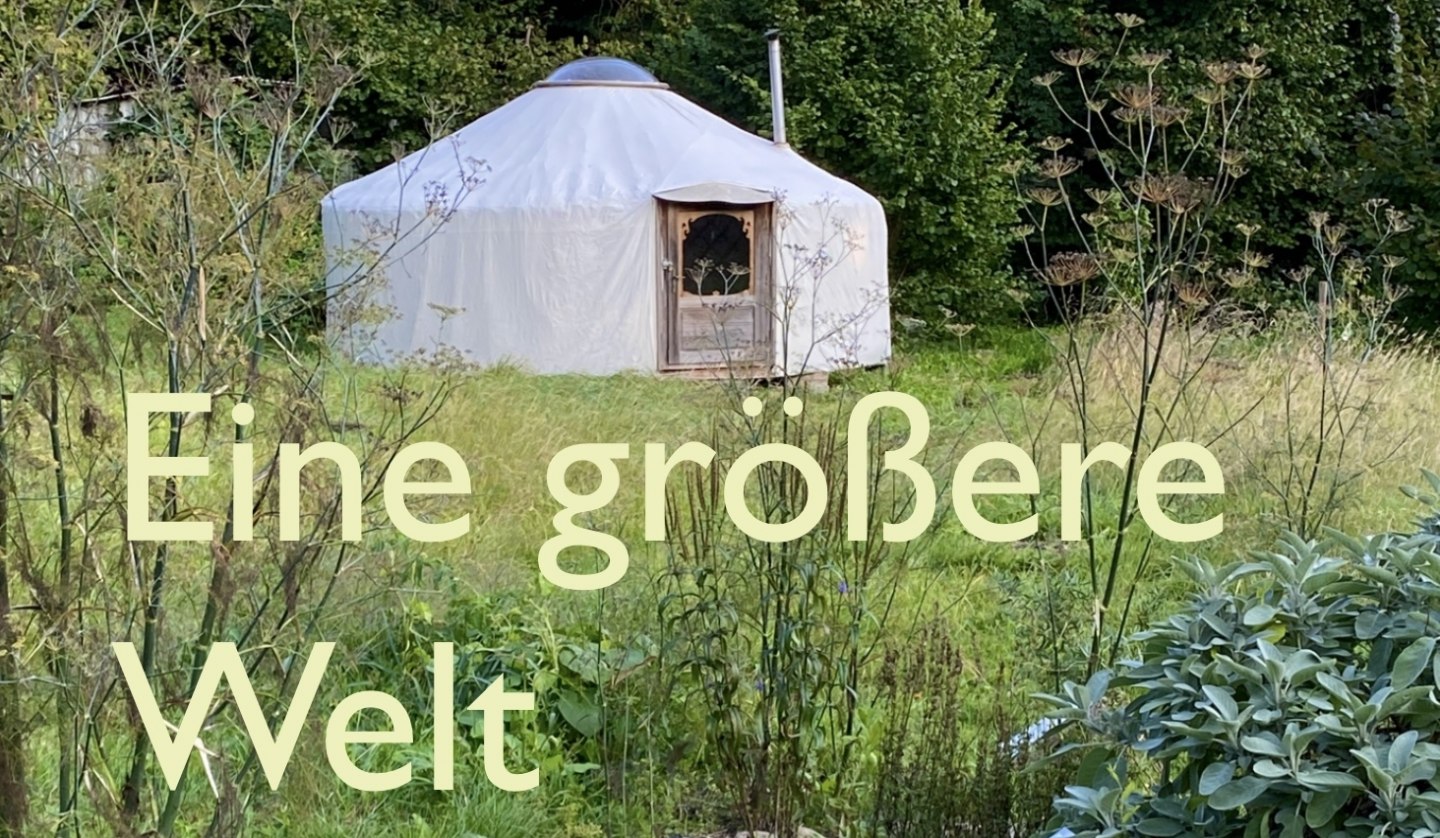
{"x": 1016, "y": 613}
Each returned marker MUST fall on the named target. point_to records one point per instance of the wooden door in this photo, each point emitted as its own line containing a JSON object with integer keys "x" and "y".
{"x": 716, "y": 265}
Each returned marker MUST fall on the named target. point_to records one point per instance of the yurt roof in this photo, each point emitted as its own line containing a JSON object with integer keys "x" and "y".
{"x": 598, "y": 132}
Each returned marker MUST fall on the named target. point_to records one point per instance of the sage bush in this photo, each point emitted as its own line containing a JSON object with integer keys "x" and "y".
{"x": 1294, "y": 695}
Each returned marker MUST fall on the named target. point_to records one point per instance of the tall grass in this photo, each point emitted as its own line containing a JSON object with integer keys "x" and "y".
{"x": 508, "y": 423}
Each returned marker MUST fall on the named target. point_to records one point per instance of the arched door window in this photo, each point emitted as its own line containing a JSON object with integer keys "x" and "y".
{"x": 717, "y": 252}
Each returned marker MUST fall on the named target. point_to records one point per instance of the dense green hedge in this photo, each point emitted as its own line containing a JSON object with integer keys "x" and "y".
{"x": 1343, "y": 116}
{"x": 900, "y": 96}
{"x": 921, "y": 102}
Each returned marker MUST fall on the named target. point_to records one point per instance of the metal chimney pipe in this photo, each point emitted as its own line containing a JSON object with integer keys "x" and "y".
{"x": 777, "y": 89}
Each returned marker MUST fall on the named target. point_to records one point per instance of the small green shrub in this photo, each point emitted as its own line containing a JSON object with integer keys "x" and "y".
{"x": 570, "y": 669}
{"x": 1296, "y": 692}
{"x": 941, "y": 774}
{"x": 769, "y": 643}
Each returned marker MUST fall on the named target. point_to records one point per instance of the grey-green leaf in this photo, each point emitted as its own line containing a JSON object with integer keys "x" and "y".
{"x": 1215, "y": 775}
{"x": 1159, "y": 826}
{"x": 1237, "y": 793}
{"x": 1224, "y": 704}
{"x": 1265, "y": 744}
{"x": 1330, "y": 780}
{"x": 1259, "y": 615}
{"x": 1324, "y": 806}
{"x": 1411, "y": 662}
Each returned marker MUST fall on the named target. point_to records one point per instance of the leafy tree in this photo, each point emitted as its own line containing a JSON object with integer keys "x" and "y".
{"x": 1397, "y": 156}
{"x": 429, "y": 59}
{"x": 900, "y": 96}
{"x": 425, "y": 66}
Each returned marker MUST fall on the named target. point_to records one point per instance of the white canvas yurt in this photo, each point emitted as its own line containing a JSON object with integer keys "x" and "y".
{"x": 602, "y": 223}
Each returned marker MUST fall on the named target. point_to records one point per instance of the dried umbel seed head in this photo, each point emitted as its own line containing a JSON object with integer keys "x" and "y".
{"x": 1191, "y": 294}
{"x": 242, "y": 30}
{"x": 1075, "y": 57}
{"x": 331, "y": 80}
{"x": 1390, "y": 262}
{"x": 1220, "y": 73}
{"x": 1053, "y": 144}
{"x": 1101, "y": 196}
{"x": 1235, "y": 167}
{"x": 1247, "y": 230}
{"x": 398, "y": 393}
{"x": 1129, "y": 116}
{"x": 1141, "y": 97}
{"x": 1377, "y": 306}
{"x": 1255, "y": 52}
{"x": 1255, "y": 260}
{"x": 1129, "y": 21}
{"x": 1185, "y": 200}
{"x": 1319, "y": 219}
{"x": 1096, "y": 219}
{"x": 1198, "y": 190}
{"x": 1300, "y": 275}
{"x": 1210, "y": 96}
{"x": 1232, "y": 157}
{"x": 474, "y": 173}
{"x": 209, "y": 92}
{"x": 437, "y": 200}
{"x": 340, "y": 129}
{"x": 1012, "y": 167}
{"x": 1045, "y": 197}
{"x": 1252, "y": 70}
{"x": 1237, "y": 278}
{"x": 1334, "y": 236}
{"x": 1397, "y": 221}
{"x": 1047, "y": 79}
{"x": 1059, "y": 167}
{"x": 1160, "y": 189}
{"x": 1149, "y": 60}
{"x": 274, "y": 110}
{"x": 960, "y": 330}
{"x": 1071, "y": 268}
{"x": 1167, "y": 115}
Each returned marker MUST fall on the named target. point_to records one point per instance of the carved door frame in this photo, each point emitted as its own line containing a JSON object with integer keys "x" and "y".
{"x": 672, "y": 220}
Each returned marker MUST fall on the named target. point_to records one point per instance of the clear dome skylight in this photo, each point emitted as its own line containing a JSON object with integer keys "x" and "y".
{"x": 603, "y": 71}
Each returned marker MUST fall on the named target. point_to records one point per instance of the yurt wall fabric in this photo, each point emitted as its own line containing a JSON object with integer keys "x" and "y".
{"x": 534, "y": 237}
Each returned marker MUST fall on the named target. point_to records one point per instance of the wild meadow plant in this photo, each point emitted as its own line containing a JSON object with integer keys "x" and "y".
{"x": 178, "y": 259}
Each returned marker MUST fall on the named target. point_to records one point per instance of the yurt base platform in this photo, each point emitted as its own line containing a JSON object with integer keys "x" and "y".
{"x": 815, "y": 382}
